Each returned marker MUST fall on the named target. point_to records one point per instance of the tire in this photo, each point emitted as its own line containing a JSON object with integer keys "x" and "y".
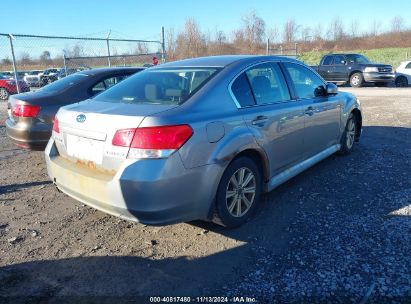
{"x": 232, "y": 209}
{"x": 381, "y": 84}
{"x": 401, "y": 82}
{"x": 348, "y": 137}
{"x": 4, "y": 94}
{"x": 356, "y": 80}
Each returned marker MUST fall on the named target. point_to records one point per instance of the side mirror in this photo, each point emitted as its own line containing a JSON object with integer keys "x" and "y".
{"x": 331, "y": 89}
{"x": 344, "y": 62}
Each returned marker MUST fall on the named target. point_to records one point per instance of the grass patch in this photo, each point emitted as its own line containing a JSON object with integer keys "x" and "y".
{"x": 392, "y": 56}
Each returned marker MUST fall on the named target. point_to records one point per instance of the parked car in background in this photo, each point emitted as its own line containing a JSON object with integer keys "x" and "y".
{"x": 48, "y": 76}
{"x": 8, "y": 87}
{"x": 33, "y": 78}
{"x": 31, "y": 115}
{"x": 354, "y": 69}
{"x": 403, "y": 74}
{"x": 65, "y": 72}
{"x": 200, "y": 138}
{"x": 7, "y": 74}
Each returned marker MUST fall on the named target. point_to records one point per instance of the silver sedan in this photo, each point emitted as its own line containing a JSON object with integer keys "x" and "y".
{"x": 200, "y": 138}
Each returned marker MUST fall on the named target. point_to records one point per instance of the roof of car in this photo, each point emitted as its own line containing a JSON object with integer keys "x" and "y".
{"x": 99, "y": 71}
{"x": 220, "y": 61}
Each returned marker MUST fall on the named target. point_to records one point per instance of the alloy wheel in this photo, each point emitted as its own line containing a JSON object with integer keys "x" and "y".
{"x": 240, "y": 192}
{"x": 351, "y": 130}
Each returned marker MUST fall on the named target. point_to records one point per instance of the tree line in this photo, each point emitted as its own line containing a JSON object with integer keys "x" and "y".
{"x": 252, "y": 36}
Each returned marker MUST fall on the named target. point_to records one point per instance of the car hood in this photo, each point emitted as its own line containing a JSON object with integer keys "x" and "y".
{"x": 375, "y": 65}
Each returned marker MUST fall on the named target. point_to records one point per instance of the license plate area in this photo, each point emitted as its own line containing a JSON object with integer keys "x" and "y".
{"x": 85, "y": 149}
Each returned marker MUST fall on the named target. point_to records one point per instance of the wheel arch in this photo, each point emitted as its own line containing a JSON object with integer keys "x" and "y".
{"x": 355, "y": 71}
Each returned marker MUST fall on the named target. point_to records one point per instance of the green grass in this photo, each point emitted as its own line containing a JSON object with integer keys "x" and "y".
{"x": 392, "y": 56}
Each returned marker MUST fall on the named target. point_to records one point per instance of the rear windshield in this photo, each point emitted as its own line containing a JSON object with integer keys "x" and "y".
{"x": 159, "y": 86}
{"x": 64, "y": 83}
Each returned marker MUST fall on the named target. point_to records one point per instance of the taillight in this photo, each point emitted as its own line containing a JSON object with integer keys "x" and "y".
{"x": 123, "y": 137}
{"x": 25, "y": 110}
{"x": 56, "y": 127}
{"x": 153, "y": 142}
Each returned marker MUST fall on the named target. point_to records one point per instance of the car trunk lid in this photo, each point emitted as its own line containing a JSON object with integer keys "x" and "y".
{"x": 86, "y": 131}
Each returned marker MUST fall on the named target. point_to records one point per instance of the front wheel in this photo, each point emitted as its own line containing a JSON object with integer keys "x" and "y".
{"x": 401, "y": 82}
{"x": 348, "y": 137}
{"x": 356, "y": 80}
{"x": 238, "y": 193}
{"x": 4, "y": 94}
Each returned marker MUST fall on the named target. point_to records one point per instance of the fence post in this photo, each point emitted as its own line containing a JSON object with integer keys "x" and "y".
{"x": 268, "y": 46}
{"x": 163, "y": 46}
{"x": 65, "y": 64}
{"x": 14, "y": 62}
{"x": 108, "y": 49}
{"x": 281, "y": 50}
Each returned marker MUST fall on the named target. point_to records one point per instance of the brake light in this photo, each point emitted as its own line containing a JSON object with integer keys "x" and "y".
{"x": 161, "y": 138}
{"x": 56, "y": 127}
{"x": 153, "y": 142}
{"x": 123, "y": 138}
{"x": 25, "y": 110}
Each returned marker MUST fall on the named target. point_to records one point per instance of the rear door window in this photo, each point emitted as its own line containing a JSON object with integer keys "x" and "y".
{"x": 268, "y": 84}
{"x": 242, "y": 91}
{"x": 328, "y": 60}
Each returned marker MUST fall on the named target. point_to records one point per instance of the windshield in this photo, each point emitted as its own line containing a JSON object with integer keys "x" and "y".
{"x": 354, "y": 58}
{"x": 159, "y": 86}
{"x": 64, "y": 83}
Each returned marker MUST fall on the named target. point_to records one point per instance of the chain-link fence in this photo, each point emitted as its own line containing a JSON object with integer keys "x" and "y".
{"x": 42, "y": 59}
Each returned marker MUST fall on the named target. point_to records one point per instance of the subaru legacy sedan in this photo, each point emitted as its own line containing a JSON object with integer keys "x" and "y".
{"x": 199, "y": 138}
{"x": 31, "y": 114}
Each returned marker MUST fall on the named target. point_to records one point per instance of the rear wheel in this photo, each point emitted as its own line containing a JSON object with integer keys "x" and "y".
{"x": 4, "y": 94}
{"x": 238, "y": 193}
{"x": 356, "y": 80}
{"x": 401, "y": 82}
{"x": 348, "y": 137}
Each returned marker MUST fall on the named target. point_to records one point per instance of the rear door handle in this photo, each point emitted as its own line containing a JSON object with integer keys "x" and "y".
{"x": 259, "y": 120}
{"x": 309, "y": 111}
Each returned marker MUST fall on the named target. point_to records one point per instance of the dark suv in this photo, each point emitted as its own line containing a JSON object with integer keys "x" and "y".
{"x": 355, "y": 69}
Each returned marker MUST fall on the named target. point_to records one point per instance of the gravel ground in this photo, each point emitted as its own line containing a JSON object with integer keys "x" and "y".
{"x": 339, "y": 232}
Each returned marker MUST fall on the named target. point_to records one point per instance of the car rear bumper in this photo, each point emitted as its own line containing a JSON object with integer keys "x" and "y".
{"x": 154, "y": 192}
{"x": 33, "y": 137}
{"x": 379, "y": 77}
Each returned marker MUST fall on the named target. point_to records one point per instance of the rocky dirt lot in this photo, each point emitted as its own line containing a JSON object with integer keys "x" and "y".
{"x": 340, "y": 232}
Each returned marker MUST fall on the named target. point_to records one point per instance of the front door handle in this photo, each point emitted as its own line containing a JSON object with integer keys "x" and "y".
{"x": 259, "y": 120}
{"x": 309, "y": 111}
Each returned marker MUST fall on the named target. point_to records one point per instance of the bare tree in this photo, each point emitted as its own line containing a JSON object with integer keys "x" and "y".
{"x": 336, "y": 30}
{"x": 273, "y": 34}
{"x": 249, "y": 38}
{"x": 142, "y": 48}
{"x": 306, "y": 34}
{"x": 318, "y": 32}
{"x": 397, "y": 24}
{"x": 45, "y": 58}
{"x": 191, "y": 42}
{"x": 375, "y": 28}
{"x": 354, "y": 28}
{"x": 290, "y": 31}
{"x": 25, "y": 59}
{"x": 170, "y": 44}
